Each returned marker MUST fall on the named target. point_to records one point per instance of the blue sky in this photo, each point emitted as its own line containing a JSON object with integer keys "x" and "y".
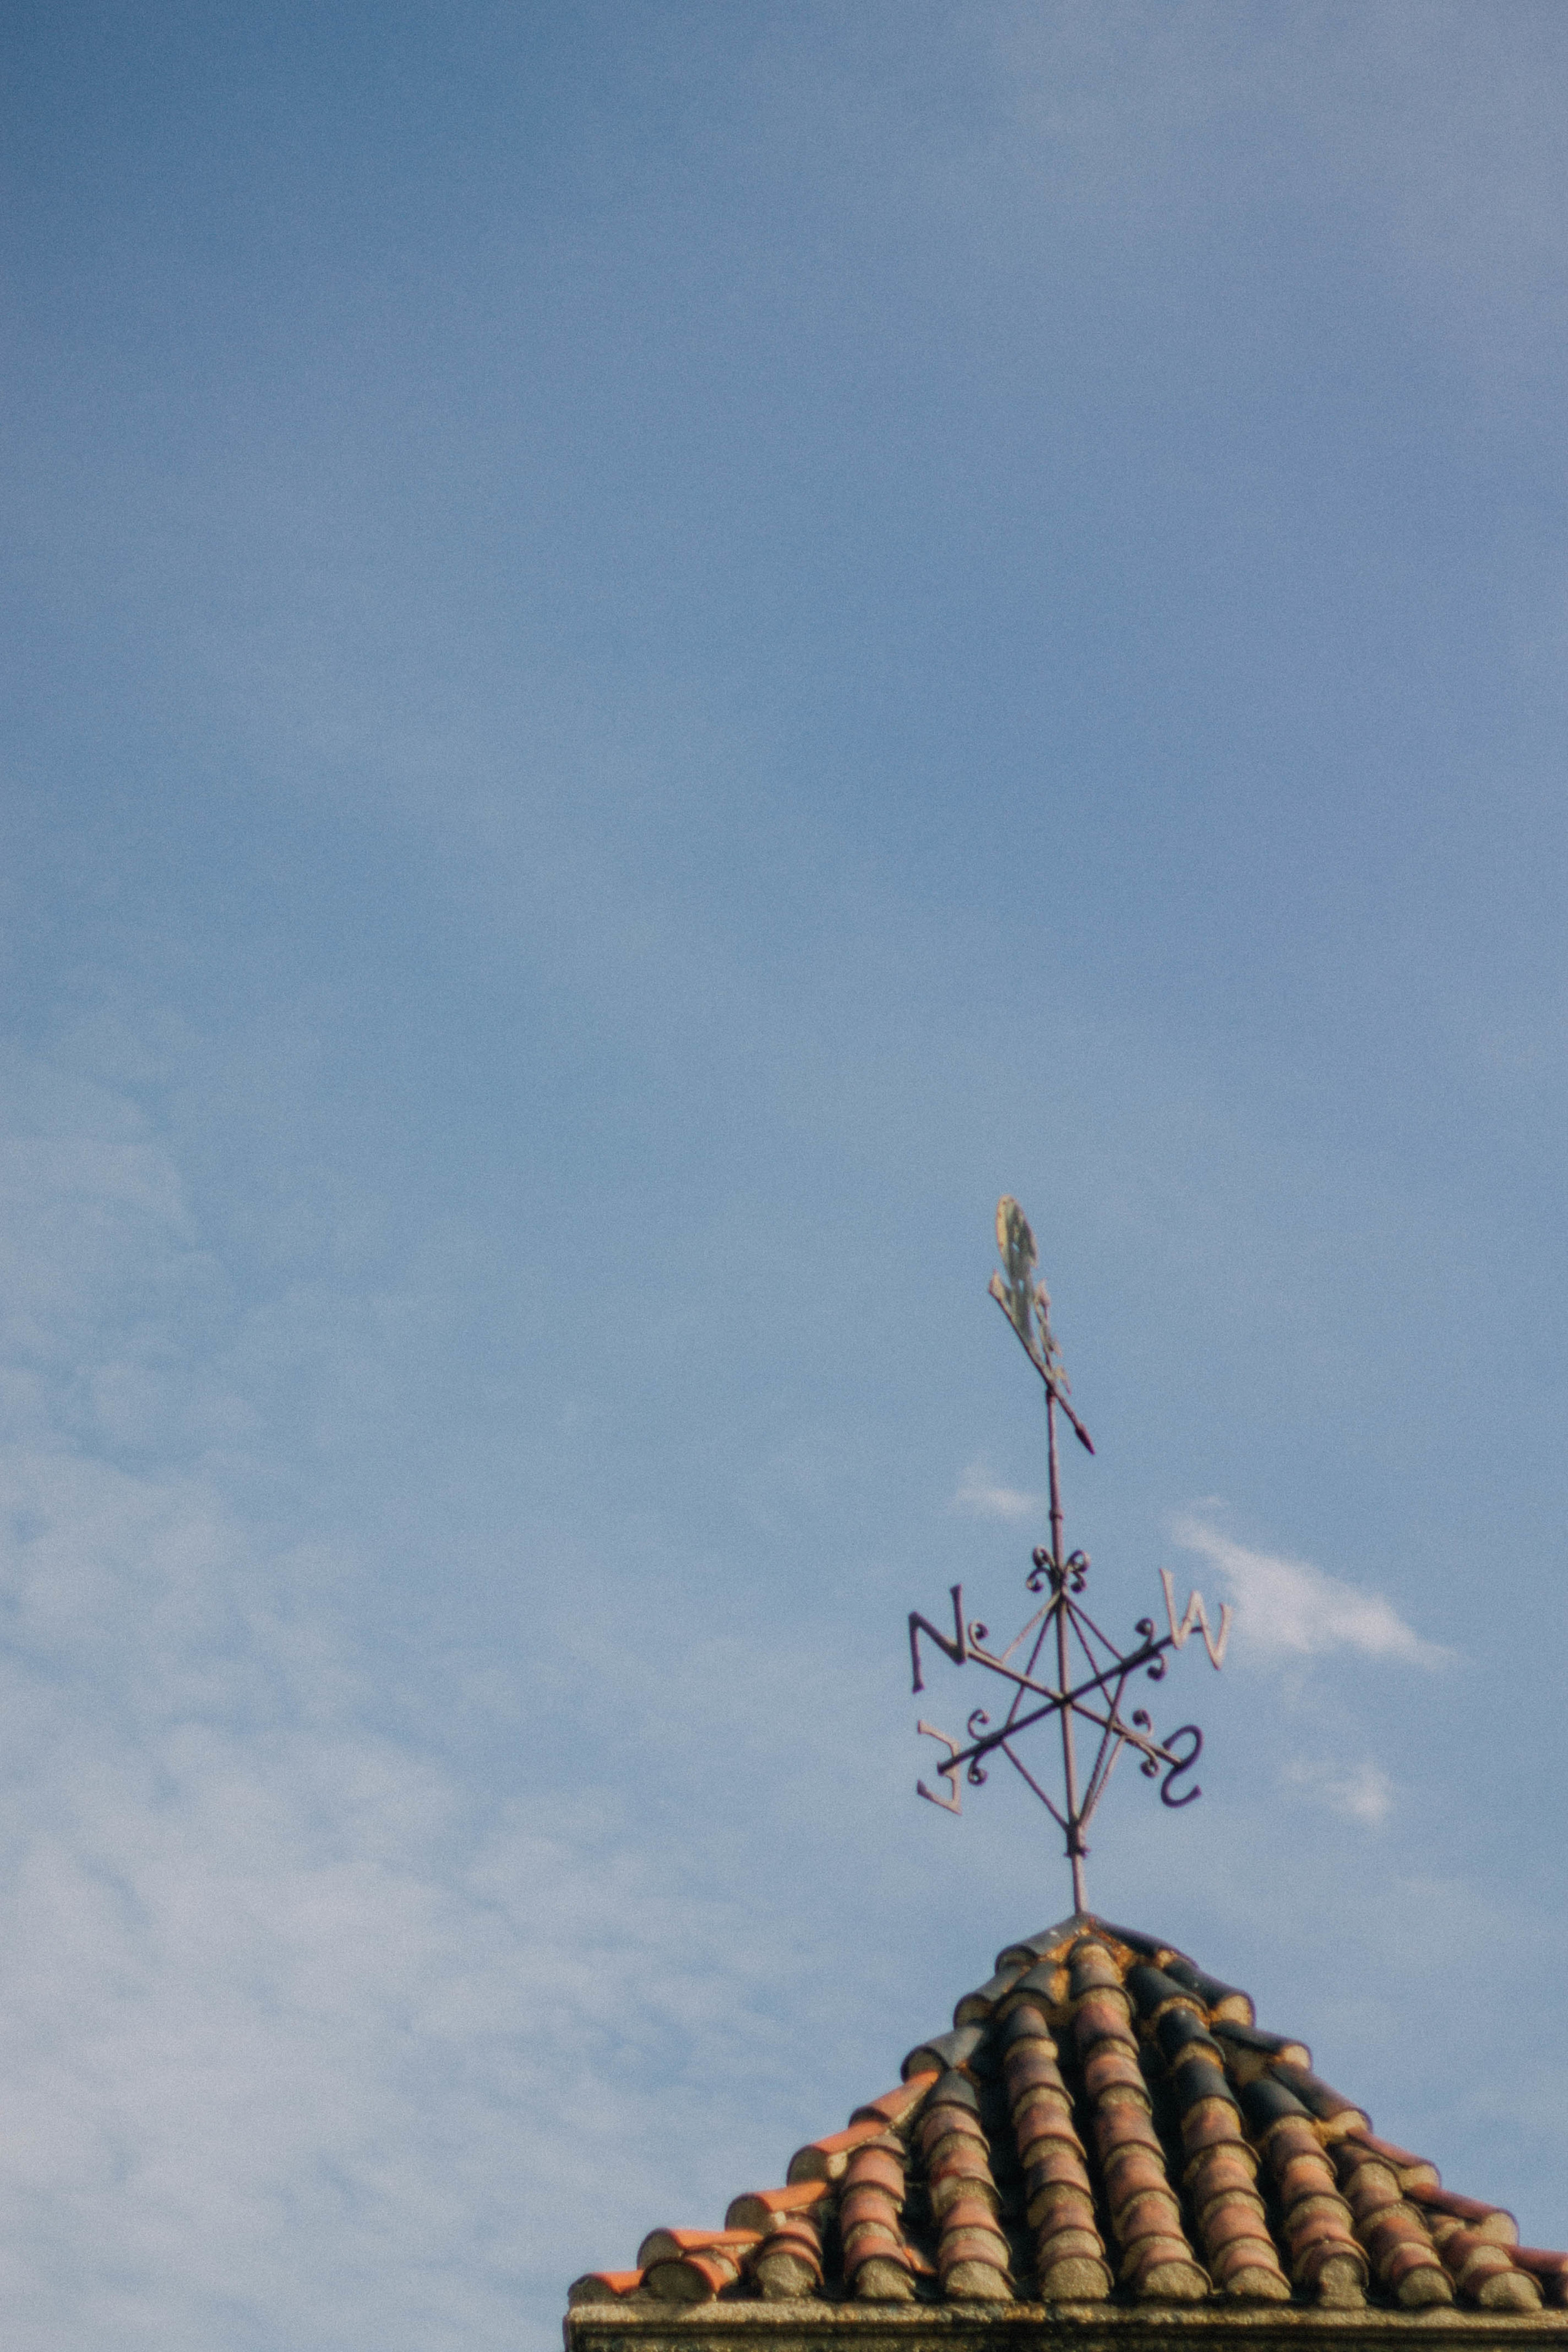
{"x": 653, "y": 650}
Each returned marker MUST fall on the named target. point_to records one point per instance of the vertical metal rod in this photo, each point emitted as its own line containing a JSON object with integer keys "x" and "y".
{"x": 1058, "y": 1578}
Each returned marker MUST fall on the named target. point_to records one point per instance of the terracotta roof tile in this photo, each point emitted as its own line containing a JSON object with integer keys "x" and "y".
{"x": 894, "y": 2107}
{"x": 829, "y": 2159}
{"x": 976, "y": 2007}
{"x": 958, "y": 2048}
{"x": 1551, "y": 2270}
{"x": 602, "y": 2286}
{"x": 760, "y": 2208}
{"x": 1105, "y": 2125}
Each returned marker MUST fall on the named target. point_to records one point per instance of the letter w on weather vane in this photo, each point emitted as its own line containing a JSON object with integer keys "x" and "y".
{"x": 1061, "y": 1667}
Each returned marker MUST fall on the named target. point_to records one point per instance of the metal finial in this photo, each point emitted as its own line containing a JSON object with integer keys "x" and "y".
{"x": 1062, "y": 1629}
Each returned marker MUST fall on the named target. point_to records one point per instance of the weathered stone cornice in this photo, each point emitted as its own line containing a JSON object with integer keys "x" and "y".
{"x": 813, "y": 2325}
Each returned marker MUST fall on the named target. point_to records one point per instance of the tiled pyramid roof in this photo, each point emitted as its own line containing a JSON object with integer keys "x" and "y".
{"x": 1106, "y": 2131}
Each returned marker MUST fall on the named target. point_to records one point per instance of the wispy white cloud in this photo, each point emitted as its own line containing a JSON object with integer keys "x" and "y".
{"x": 1290, "y": 1609}
{"x": 985, "y": 1498}
{"x": 305, "y": 2035}
{"x": 1361, "y": 1793}
{"x": 274, "y": 1982}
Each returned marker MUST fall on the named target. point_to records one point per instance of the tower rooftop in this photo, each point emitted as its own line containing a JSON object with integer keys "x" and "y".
{"x": 1104, "y": 2143}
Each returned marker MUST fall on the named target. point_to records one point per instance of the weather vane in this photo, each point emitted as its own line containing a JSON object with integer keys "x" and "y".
{"x": 1091, "y": 1673}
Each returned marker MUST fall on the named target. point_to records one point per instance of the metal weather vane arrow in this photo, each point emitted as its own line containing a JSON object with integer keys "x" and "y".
{"x": 1091, "y": 1673}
